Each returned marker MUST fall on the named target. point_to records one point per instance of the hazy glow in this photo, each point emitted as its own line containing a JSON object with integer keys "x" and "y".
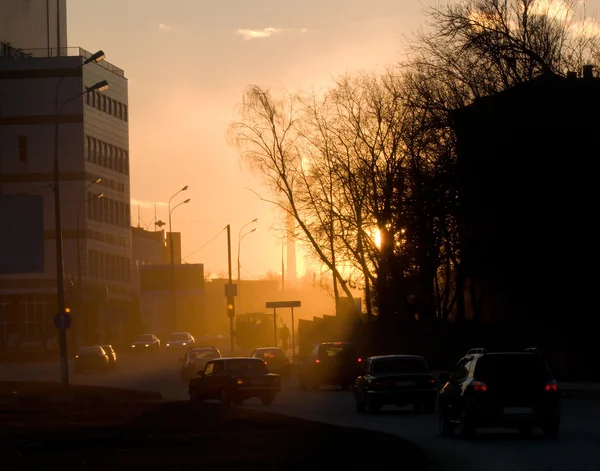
{"x": 248, "y": 34}
{"x": 557, "y": 9}
{"x": 164, "y": 28}
{"x": 377, "y": 238}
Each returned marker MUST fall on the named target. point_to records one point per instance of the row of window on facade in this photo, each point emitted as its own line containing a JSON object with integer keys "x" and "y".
{"x": 108, "y": 211}
{"x": 29, "y": 318}
{"x": 107, "y": 105}
{"x": 106, "y": 155}
{"x": 108, "y": 266}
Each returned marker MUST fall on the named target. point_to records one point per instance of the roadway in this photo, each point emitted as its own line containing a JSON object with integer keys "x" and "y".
{"x": 489, "y": 451}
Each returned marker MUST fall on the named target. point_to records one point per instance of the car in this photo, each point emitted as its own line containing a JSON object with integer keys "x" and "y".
{"x": 395, "y": 379}
{"x": 500, "y": 389}
{"x": 220, "y": 340}
{"x": 91, "y": 358}
{"x": 112, "y": 355}
{"x": 275, "y": 360}
{"x": 178, "y": 341}
{"x": 145, "y": 343}
{"x": 195, "y": 359}
{"x": 330, "y": 363}
{"x": 235, "y": 380}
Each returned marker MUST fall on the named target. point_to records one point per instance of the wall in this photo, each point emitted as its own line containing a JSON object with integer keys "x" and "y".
{"x": 34, "y": 24}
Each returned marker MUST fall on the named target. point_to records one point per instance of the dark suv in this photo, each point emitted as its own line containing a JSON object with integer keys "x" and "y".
{"x": 510, "y": 390}
{"x": 330, "y": 363}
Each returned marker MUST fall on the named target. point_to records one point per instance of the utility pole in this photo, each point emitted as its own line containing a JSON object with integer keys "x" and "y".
{"x": 80, "y": 314}
{"x": 230, "y": 297}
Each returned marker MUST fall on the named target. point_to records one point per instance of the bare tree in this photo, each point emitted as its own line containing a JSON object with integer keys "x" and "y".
{"x": 267, "y": 136}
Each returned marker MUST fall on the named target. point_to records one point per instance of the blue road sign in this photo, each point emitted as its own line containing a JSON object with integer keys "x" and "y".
{"x": 62, "y": 321}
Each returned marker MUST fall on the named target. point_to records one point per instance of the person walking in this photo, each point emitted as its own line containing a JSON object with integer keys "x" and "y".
{"x": 284, "y": 335}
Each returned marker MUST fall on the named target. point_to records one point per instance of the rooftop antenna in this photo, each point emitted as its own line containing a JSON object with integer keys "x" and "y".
{"x": 155, "y": 216}
{"x": 139, "y": 217}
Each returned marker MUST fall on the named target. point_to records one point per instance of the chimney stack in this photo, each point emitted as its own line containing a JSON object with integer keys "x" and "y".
{"x": 588, "y": 72}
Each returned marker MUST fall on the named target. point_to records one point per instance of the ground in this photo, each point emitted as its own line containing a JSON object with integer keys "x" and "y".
{"x": 101, "y": 428}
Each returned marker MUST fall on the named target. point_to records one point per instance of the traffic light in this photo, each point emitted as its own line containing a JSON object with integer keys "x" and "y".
{"x": 230, "y": 306}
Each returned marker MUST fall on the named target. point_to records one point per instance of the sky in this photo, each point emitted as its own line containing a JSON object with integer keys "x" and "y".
{"x": 188, "y": 62}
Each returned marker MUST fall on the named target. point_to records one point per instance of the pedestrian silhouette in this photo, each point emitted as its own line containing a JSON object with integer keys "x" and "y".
{"x": 284, "y": 335}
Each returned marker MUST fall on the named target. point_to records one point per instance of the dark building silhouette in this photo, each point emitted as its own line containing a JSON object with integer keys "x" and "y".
{"x": 526, "y": 159}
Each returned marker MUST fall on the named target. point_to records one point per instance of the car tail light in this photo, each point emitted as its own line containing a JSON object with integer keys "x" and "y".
{"x": 551, "y": 386}
{"x": 479, "y": 386}
{"x": 276, "y": 379}
{"x": 191, "y": 362}
{"x": 431, "y": 381}
{"x": 317, "y": 361}
{"x": 359, "y": 360}
{"x": 240, "y": 381}
{"x": 266, "y": 362}
{"x": 76, "y": 356}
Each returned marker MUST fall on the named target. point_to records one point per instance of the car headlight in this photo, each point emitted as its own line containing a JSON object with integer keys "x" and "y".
{"x": 147, "y": 345}
{"x": 133, "y": 346}
{"x": 168, "y": 345}
{"x": 184, "y": 343}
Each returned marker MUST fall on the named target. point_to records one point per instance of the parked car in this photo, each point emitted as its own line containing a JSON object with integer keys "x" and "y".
{"x": 112, "y": 355}
{"x": 510, "y": 390}
{"x": 145, "y": 343}
{"x": 275, "y": 360}
{"x": 91, "y": 358}
{"x": 178, "y": 341}
{"x": 330, "y": 363}
{"x": 235, "y": 380}
{"x": 395, "y": 379}
{"x": 195, "y": 360}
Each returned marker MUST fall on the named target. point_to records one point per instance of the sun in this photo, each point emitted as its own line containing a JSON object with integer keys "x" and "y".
{"x": 377, "y": 238}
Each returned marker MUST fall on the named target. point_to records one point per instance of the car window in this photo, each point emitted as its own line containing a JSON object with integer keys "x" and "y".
{"x": 246, "y": 367}
{"x": 461, "y": 371}
{"x": 208, "y": 353}
{"x": 219, "y": 368}
{"x": 208, "y": 370}
{"x": 518, "y": 368}
{"x": 144, "y": 338}
{"x": 400, "y": 365}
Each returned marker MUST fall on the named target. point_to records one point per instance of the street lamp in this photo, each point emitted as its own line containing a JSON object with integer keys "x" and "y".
{"x": 60, "y": 282}
{"x": 173, "y": 296}
{"x": 80, "y": 313}
{"x": 240, "y": 237}
{"x": 239, "y": 266}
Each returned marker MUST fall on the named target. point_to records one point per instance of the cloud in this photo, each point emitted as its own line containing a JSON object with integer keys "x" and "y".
{"x": 148, "y": 204}
{"x": 248, "y": 34}
{"x": 589, "y": 27}
{"x": 165, "y": 28}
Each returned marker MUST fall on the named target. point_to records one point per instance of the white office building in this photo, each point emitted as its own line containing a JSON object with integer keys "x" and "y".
{"x": 93, "y": 150}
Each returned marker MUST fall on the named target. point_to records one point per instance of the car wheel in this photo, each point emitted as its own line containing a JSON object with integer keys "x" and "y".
{"x": 267, "y": 399}
{"x": 551, "y": 430}
{"x": 372, "y": 407}
{"x": 429, "y": 407}
{"x": 446, "y": 428}
{"x": 238, "y": 401}
{"x": 466, "y": 427}
{"x": 225, "y": 399}
{"x": 194, "y": 396}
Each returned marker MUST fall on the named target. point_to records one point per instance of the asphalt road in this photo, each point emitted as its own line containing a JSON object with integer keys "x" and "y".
{"x": 577, "y": 448}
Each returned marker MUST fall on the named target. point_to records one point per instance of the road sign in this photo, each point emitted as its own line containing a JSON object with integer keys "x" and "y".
{"x": 230, "y": 289}
{"x": 278, "y": 304}
{"x": 62, "y": 321}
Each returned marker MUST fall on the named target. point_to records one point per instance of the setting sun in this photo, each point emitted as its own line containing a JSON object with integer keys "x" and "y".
{"x": 377, "y": 238}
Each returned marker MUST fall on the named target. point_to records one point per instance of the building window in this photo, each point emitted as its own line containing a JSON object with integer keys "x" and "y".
{"x": 23, "y": 148}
